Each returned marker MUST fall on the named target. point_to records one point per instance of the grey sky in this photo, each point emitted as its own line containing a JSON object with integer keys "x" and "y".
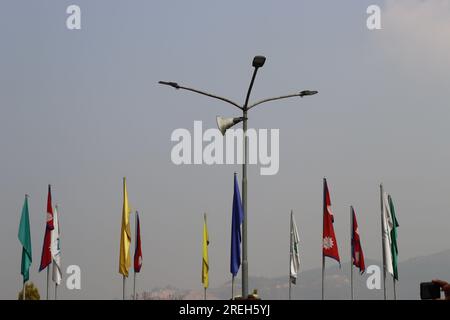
{"x": 82, "y": 109}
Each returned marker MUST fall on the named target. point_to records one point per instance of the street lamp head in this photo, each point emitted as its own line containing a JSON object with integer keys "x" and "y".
{"x": 307, "y": 93}
{"x": 172, "y": 84}
{"x": 258, "y": 61}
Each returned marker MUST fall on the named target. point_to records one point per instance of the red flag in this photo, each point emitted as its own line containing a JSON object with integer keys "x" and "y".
{"x": 330, "y": 248}
{"x": 138, "y": 250}
{"x": 357, "y": 252}
{"x": 46, "y": 257}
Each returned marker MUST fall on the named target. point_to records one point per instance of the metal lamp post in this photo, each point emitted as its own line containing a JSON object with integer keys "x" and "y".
{"x": 258, "y": 62}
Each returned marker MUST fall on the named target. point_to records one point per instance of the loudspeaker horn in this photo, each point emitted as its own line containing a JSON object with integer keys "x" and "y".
{"x": 225, "y": 123}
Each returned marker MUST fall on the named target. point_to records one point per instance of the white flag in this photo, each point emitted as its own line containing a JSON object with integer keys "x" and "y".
{"x": 387, "y": 227}
{"x": 295, "y": 252}
{"x": 56, "y": 249}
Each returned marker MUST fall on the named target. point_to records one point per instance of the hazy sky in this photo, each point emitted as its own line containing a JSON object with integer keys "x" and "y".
{"x": 81, "y": 109}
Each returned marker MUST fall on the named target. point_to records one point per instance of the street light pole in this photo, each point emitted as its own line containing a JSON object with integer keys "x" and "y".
{"x": 244, "y": 204}
{"x": 258, "y": 62}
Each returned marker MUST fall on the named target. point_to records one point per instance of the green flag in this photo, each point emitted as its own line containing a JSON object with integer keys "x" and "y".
{"x": 25, "y": 240}
{"x": 394, "y": 247}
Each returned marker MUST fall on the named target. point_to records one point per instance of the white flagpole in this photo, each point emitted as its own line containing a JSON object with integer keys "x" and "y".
{"x": 232, "y": 288}
{"x": 48, "y": 279}
{"x": 123, "y": 287}
{"x": 382, "y": 240}
{"x": 134, "y": 286}
{"x": 290, "y": 256}
{"x": 323, "y": 274}
{"x": 24, "y": 282}
{"x": 395, "y": 293}
{"x": 56, "y": 291}
{"x": 351, "y": 252}
{"x": 323, "y": 257}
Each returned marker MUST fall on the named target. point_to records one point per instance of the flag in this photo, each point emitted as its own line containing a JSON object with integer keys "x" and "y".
{"x": 238, "y": 217}
{"x": 357, "y": 252}
{"x": 138, "y": 250}
{"x": 387, "y": 226}
{"x": 56, "y": 249}
{"x": 125, "y": 235}
{"x": 25, "y": 239}
{"x": 46, "y": 257}
{"x": 205, "y": 260}
{"x": 394, "y": 247}
{"x": 330, "y": 248}
{"x": 295, "y": 252}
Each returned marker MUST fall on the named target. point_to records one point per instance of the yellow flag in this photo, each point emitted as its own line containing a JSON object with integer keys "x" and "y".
{"x": 205, "y": 263}
{"x": 125, "y": 235}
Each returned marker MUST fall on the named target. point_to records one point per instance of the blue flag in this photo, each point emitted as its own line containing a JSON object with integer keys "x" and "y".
{"x": 238, "y": 217}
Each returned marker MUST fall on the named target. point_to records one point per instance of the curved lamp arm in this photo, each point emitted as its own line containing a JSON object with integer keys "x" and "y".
{"x": 176, "y": 86}
{"x": 300, "y": 94}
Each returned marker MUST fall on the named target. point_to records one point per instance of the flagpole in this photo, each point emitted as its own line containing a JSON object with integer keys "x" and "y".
{"x": 395, "y": 293}
{"x": 323, "y": 274}
{"x": 24, "y": 282}
{"x": 382, "y": 241}
{"x": 232, "y": 288}
{"x": 289, "y": 287}
{"x": 351, "y": 252}
{"x": 290, "y": 255}
{"x": 123, "y": 287}
{"x": 134, "y": 286}
{"x": 205, "y": 294}
{"x": 56, "y": 283}
{"x": 323, "y": 257}
{"x": 48, "y": 279}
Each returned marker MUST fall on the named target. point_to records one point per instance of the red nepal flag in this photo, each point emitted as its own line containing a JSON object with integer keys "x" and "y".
{"x": 357, "y": 252}
{"x": 138, "y": 250}
{"x": 46, "y": 257}
{"x": 330, "y": 248}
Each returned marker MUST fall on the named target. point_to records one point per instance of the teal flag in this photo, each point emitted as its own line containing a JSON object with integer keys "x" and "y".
{"x": 25, "y": 240}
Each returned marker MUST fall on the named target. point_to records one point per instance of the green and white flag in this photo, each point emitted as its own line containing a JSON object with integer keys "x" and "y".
{"x": 56, "y": 249}
{"x": 393, "y": 234}
{"x": 295, "y": 252}
{"x": 25, "y": 240}
{"x": 390, "y": 225}
{"x": 387, "y": 228}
